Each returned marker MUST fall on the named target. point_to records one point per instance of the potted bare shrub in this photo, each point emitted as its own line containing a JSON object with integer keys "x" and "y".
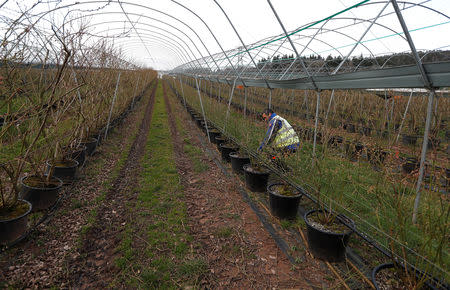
{"x": 13, "y": 211}
{"x": 284, "y": 200}
{"x": 256, "y": 176}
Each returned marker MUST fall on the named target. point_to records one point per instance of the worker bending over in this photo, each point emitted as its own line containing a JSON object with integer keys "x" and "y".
{"x": 280, "y": 134}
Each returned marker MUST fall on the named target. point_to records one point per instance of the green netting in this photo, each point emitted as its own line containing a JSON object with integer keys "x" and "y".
{"x": 301, "y": 29}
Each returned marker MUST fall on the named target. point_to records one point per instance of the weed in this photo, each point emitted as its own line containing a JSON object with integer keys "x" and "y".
{"x": 224, "y": 232}
{"x": 76, "y": 203}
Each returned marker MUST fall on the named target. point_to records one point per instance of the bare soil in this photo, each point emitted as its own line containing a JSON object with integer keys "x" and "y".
{"x": 240, "y": 253}
{"x": 94, "y": 267}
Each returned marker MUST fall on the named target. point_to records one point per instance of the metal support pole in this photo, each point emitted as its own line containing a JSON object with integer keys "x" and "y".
{"x": 245, "y": 102}
{"x": 423, "y": 155}
{"x": 76, "y": 83}
{"x": 203, "y": 111}
{"x": 210, "y": 88}
{"x": 316, "y": 123}
{"x": 404, "y": 116}
{"x": 329, "y": 106}
{"x": 360, "y": 39}
{"x": 392, "y": 110}
{"x": 135, "y": 91}
{"x": 386, "y": 110}
{"x": 240, "y": 39}
{"x": 112, "y": 105}
{"x": 419, "y": 64}
{"x": 350, "y": 52}
{"x": 293, "y": 46}
{"x": 182, "y": 93}
{"x": 270, "y": 98}
{"x": 305, "y": 101}
{"x": 229, "y": 104}
{"x": 434, "y": 120}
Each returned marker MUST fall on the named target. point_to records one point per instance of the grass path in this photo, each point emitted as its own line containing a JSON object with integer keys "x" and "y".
{"x": 156, "y": 246}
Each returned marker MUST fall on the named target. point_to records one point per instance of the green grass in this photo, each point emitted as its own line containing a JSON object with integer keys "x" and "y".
{"x": 194, "y": 154}
{"x": 163, "y": 259}
{"x": 224, "y": 232}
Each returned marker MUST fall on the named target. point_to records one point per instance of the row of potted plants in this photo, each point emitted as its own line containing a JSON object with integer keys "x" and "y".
{"x": 361, "y": 109}
{"x": 252, "y": 173}
{"x": 354, "y": 148}
{"x": 334, "y": 122}
{"x": 347, "y": 106}
{"x": 64, "y": 138}
{"x": 284, "y": 199}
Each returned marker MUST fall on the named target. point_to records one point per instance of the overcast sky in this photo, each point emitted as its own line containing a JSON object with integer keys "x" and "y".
{"x": 165, "y": 41}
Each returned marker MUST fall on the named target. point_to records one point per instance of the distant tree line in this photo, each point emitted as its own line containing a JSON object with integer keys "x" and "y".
{"x": 392, "y": 60}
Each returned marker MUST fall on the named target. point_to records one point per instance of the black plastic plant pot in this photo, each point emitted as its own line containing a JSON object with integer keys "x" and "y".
{"x": 359, "y": 147}
{"x": 199, "y": 121}
{"x": 284, "y": 206}
{"x": 350, "y": 128}
{"x": 14, "y": 225}
{"x": 65, "y": 170}
{"x": 410, "y": 165}
{"x": 376, "y": 270}
{"x": 226, "y": 149}
{"x": 40, "y": 196}
{"x": 427, "y": 281}
{"x": 255, "y": 180}
{"x": 335, "y": 140}
{"x": 325, "y": 244}
{"x": 91, "y": 145}
{"x": 353, "y": 150}
{"x": 212, "y": 135}
{"x": 203, "y": 127}
{"x": 409, "y": 139}
{"x": 219, "y": 140}
{"x": 79, "y": 155}
{"x": 238, "y": 162}
{"x": 100, "y": 135}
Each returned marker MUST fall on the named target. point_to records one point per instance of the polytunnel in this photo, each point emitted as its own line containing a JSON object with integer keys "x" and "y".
{"x": 225, "y": 144}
